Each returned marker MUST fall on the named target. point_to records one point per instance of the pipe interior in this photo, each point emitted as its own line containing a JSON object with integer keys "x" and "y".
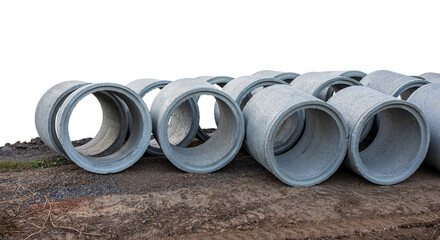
{"x": 396, "y": 145}
{"x": 317, "y": 149}
{"x": 218, "y": 146}
{"x": 132, "y": 142}
{"x": 407, "y": 93}
{"x": 112, "y": 116}
{"x": 289, "y": 132}
{"x": 327, "y": 93}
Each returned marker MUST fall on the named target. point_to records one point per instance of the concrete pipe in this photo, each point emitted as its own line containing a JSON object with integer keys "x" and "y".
{"x": 243, "y": 88}
{"x": 318, "y": 83}
{"x": 324, "y": 85}
{"x": 287, "y": 77}
{"x": 430, "y": 75}
{"x": 183, "y": 122}
{"x": 106, "y": 141}
{"x": 427, "y": 99}
{"x": 356, "y": 75}
{"x": 402, "y": 140}
{"x": 221, "y": 81}
{"x": 135, "y": 145}
{"x": 434, "y": 80}
{"x": 391, "y": 83}
{"x": 317, "y": 154}
{"x": 223, "y": 145}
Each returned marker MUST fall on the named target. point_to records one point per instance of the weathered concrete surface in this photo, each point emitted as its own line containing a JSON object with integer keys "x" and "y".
{"x": 320, "y": 150}
{"x": 427, "y": 98}
{"x": 319, "y": 83}
{"x": 114, "y": 113}
{"x": 391, "y": 83}
{"x": 287, "y": 77}
{"x": 223, "y": 145}
{"x": 401, "y": 143}
{"x": 430, "y": 75}
{"x": 136, "y": 143}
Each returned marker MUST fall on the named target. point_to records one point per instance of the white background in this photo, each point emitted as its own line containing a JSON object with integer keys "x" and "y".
{"x": 46, "y": 42}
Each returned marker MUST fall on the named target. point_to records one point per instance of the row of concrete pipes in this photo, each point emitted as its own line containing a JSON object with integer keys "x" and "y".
{"x": 299, "y": 127}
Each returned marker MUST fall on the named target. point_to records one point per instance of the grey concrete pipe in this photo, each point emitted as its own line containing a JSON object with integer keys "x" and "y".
{"x": 220, "y": 81}
{"x": 318, "y": 83}
{"x": 135, "y": 145}
{"x": 107, "y": 140}
{"x": 223, "y": 145}
{"x": 287, "y": 77}
{"x": 391, "y": 83}
{"x": 317, "y": 154}
{"x": 243, "y": 88}
{"x": 427, "y": 98}
{"x": 401, "y": 143}
{"x": 354, "y": 74}
{"x": 183, "y": 123}
{"x": 430, "y": 75}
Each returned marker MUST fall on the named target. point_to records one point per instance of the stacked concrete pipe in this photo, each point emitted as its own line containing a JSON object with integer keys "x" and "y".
{"x": 399, "y": 146}
{"x": 109, "y": 151}
{"x": 183, "y": 123}
{"x": 287, "y": 77}
{"x": 318, "y": 152}
{"x": 221, "y": 147}
{"x": 430, "y": 75}
{"x": 318, "y": 83}
{"x": 242, "y": 89}
{"x": 220, "y": 81}
{"x": 391, "y": 83}
{"x": 354, "y": 74}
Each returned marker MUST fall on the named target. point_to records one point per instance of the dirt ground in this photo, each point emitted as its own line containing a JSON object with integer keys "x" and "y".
{"x": 155, "y": 200}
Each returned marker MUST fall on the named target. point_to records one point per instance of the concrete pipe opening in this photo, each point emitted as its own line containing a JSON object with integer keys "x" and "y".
{"x": 112, "y": 109}
{"x": 318, "y": 152}
{"x": 395, "y": 152}
{"x": 183, "y": 123}
{"x": 399, "y": 145}
{"x": 206, "y": 105}
{"x": 134, "y": 146}
{"x": 220, "y": 148}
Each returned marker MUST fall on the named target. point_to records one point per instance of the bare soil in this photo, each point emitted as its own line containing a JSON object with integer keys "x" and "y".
{"x": 155, "y": 200}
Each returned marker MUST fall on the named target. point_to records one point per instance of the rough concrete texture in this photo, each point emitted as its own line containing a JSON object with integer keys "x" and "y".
{"x": 47, "y": 110}
{"x": 318, "y": 83}
{"x": 220, "y": 81}
{"x": 430, "y": 75}
{"x": 391, "y": 83}
{"x": 427, "y": 99}
{"x": 317, "y": 154}
{"x": 401, "y": 142}
{"x": 356, "y": 75}
{"x": 143, "y": 87}
{"x": 223, "y": 145}
{"x": 136, "y": 143}
{"x": 243, "y": 88}
{"x": 288, "y": 77}
{"x": 112, "y": 108}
